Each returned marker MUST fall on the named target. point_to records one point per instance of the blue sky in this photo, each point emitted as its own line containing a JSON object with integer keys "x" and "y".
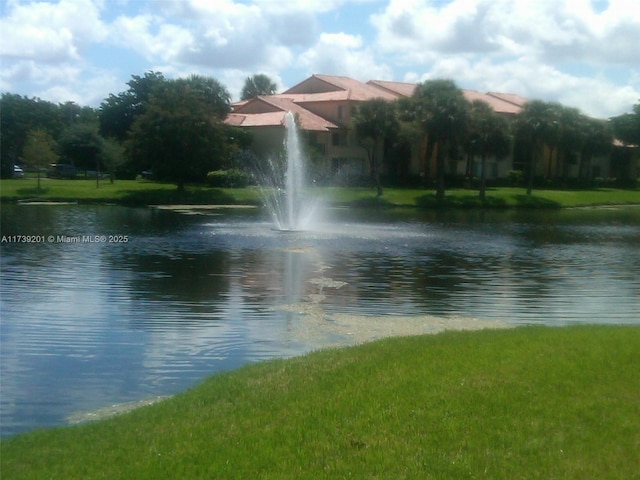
{"x": 582, "y": 53}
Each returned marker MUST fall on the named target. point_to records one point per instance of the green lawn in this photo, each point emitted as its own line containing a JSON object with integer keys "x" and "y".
{"x": 141, "y": 192}
{"x": 526, "y": 403}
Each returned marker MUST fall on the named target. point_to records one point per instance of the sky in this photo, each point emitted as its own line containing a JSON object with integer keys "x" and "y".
{"x": 581, "y": 53}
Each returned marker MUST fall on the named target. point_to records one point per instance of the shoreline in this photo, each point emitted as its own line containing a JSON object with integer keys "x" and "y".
{"x": 338, "y": 331}
{"x": 354, "y": 204}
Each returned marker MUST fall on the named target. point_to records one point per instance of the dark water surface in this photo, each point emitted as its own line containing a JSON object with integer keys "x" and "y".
{"x": 85, "y": 325}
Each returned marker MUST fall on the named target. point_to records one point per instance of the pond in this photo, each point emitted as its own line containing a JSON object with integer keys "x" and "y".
{"x": 109, "y": 304}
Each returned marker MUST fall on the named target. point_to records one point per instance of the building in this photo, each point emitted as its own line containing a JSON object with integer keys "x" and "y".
{"x": 324, "y": 106}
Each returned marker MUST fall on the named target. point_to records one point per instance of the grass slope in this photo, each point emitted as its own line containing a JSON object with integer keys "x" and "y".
{"x": 516, "y": 404}
{"x": 142, "y": 192}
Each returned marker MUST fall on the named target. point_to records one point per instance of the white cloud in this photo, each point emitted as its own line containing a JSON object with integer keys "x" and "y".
{"x": 343, "y": 54}
{"x": 221, "y": 35}
{"x": 579, "y": 51}
{"x": 50, "y": 32}
{"x": 553, "y": 30}
{"x": 562, "y": 50}
{"x": 596, "y": 96}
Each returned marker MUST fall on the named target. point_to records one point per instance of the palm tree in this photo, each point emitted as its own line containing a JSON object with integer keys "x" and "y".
{"x": 259, "y": 84}
{"x": 535, "y": 126}
{"x": 440, "y": 109}
{"x": 570, "y": 138}
{"x": 488, "y": 135}
{"x": 375, "y": 122}
{"x": 597, "y": 139}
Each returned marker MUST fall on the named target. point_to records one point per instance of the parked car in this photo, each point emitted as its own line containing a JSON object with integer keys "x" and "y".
{"x": 18, "y": 172}
{"x": 147, "y": 174}
{"x": 61, "y": 170}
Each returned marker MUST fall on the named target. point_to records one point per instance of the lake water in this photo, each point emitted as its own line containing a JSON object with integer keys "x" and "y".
{"x": 178, "y": 295}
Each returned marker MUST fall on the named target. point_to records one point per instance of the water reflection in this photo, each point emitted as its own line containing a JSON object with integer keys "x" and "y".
{"x": 86, "y": 325}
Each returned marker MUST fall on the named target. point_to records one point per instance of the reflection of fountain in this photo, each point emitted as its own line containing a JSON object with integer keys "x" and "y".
{"x": 284, "y": 188}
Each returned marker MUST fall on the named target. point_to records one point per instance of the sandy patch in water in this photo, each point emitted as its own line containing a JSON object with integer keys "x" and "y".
{"x": 318, "y": 328}
{"x": 349, "y": 329}
{"x": 116, "y": 409}
{"x": 322, "y": 329}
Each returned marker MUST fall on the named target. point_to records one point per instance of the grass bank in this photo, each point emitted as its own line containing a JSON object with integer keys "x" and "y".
{"x": 519, "y": 403}
{"x": 128, "y": 192}
{"x": 142, "y": 192}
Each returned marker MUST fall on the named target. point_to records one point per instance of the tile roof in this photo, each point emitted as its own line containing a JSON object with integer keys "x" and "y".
{"x": 400, "y": 89}
{"x": 350, "y": 88}
{"x": 496, "y": 103}
{"x": 269, "y": 110}
{"x": 510, "y": 97}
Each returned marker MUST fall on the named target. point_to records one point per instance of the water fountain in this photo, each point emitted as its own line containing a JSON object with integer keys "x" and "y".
{"x": 284, "y": 186}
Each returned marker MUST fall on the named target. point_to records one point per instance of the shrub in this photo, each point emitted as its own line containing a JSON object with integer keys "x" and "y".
{"x": 233, "y": 178}
{"x": 515, "y": 177}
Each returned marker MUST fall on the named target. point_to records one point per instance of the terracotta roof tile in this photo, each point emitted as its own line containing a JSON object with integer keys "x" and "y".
{"x": 510, "y": 97}
{"x": 270, "y": 109}
{"x": 497, "y": 104}
{"x": 333, "y": 87}
{"x": 399, "y": 89}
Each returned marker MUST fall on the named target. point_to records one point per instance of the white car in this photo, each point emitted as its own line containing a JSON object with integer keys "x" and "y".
{"x": 18, "y": 172}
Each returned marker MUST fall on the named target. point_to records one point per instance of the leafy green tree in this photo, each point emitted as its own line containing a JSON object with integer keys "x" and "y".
{"x": 439, "y": 108}
{"x": 214, "y": 97}
{"x": 259, "y": 84}
{"x": 81, "y": 145}
{"x": 375, "y": 122}
{"x": 19, "y": 116}
{"x": 488, "y": 136}
{"x": 626, "y": 127}
{"x": 39, "y": 151}
{"x": 70, "y": 113}
{"x": 180, "y": 135}
{"x": 118, "y": 112}
{"x": 111, "y": 156}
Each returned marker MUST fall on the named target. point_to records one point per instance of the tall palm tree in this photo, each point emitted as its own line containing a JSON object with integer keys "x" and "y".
{"x": 259, "y": 84}
{"x": 440, "y": 109}
{"x": 535, "y": 126}
{"x": 597, "y": 139}
{"x": 570, "y": 138}
{"x": 375, "y": 122}
{"x": 488, "y": 135}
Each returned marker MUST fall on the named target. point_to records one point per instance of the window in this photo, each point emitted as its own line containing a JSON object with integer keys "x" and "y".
{"x": 341, "y": 112}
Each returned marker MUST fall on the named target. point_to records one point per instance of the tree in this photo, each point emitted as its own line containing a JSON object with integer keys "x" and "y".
{"x": 180, "y": 135}
{"x": 375, "y": 122}
{"x": 20, "y": 115}
{"x": 440, "y": 109}
{"x": 535, "y": 125}
{"x": 571, "y": 124}
{"x": 626, "y": 127}
{"x": 259, "y": 84}
{"x": 213, "y": 96}
{"x": 118, "y": 112}
{"x": 39, "y": 151}
{"x": 488, "y": 135}
{"x": 596, "y": 139}
{"x": 111, "y": 156}
{"x": 81, "y": 145}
